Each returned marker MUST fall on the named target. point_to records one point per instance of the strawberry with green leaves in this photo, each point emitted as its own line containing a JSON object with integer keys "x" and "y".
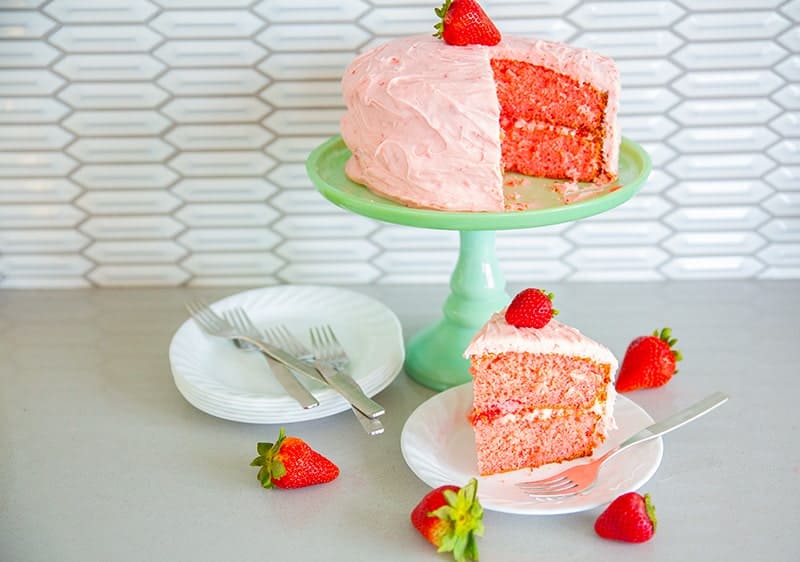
{"x": 629, "y": 518}
{"x": 649, "y": 362}
{"x": 291, "y": 463}
{"x": 465, "y": 23}
{"x": 531, "y": 308}
{"x": 451, "y": 518}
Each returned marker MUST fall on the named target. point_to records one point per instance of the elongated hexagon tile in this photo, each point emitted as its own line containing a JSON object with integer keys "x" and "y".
{"x": 205, "y": 4}
{"x": 716, "y": 218}
{"x": 733, "y": 111}
{"x": 729, "y": 54}
{"x": 33, "y": 137}
{"x": 316, "y": 37}
{"x": 783, "y": 203}
{"x": 216, "y": 110}
{"x": 734, "y": 191}
{"x": 114, "y": 68}
{"x": 34, "y": 82}
{"x": 219, "y": 137}
{"x": 660, "y": 152}
{"x": 647, "y": 72}
{"x": 35, "y": 164}
{"x": 791, "y": 39}
{"x": 612, "y": 258}
{"x": 304, "y": 121}
{"x": 105, "y": 38}
{"x": 399, "y": 20}
{"x": 138, "y": 276}
{"x": 37, "y": 190}
{"x": 213, "y": 82}
{"x": 422, "y": 262}
{"x": 134, "y": 202}
{"x": 292, "y": 175}
{"x": 224, "y": 53}
{"x": 612, "y": 233}
{"x": 234, "y": 281}
{"x": 223, "y": 189}
{"x": 283, "y": 11}
{"x": 101, "y": 95}
{"x": 343, "y": 273}
{"x": 112, "y": 123}
{"x": 222, "y": 163}
{"x": 232, "y": 263}
{"x": 211, "y": 24}
{"x": 646, "y": 100}
{"x": 31, "y": 110}
{"x": 613, "y": 15}
{"x": 131, "y": 227}
{"x": 542, "y": 270}
{"x": 22, "y": 4}
{"x": 552, "y": 29}
{"x": 124, "y": 176}
{"x": 781, "y": 255}
{"x": 252, "y": 239}
{"x": 135, "y": 251}
{"x": 300, "y": 201}
{"x": 144, "y": 149}
{"x": 647, "y": 127}
{"x": 784, "y": 178}
{"x": 108, "y": 11}
{"x": 658, "y": 181}
{"x": 24, "y": 25}
{"x": 722, "y": 139}
{"x": 403, "y": 237}
{"x": 641, "y": 207}
{"x": 38, "y": 282}
{"x": 306, "y": 66}
{"x": 304, "y": 251}
{"x": 337, "y": 225}
{"x": 42, "y": 241}
{"x": 44, "y": 265}
{"x": 206, "y": 215}
{"x": 310, "y": 94}
{"x": 716, "y": 5}
{"x": 786, "y": 151}
{"x": 638, "y": 44}
{"x": 26, "y": 54}
{"x": 293, "y": 149}
{"x": 789, "y": 68}
{"x": 714, "y": 243}
{"x": 787, "y": 124}
{"x": 728, "y": 25}
{"x": 726, "y": 83}
{"x": 527, "y": 247}
{"x": 45, "y": 215}
{"x": 782, "y": 229}
{"x": 720, "y": 166}
{"x": 712, "y": 267}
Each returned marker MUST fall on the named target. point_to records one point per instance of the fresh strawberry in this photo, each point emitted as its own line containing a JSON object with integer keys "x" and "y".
{"x": 450, "y": 518}
{"x": 649, "y": 362}
{"x": 531, "y": 308}
{"x": 465, "y": 23}
{"x": 291, "y": 463}
{"x": 629, "y": 518}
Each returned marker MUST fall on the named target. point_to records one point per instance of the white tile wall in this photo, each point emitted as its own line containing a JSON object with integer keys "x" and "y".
{"x": 163, "y": 142}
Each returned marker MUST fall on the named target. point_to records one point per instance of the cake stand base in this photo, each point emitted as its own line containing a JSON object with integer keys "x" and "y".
{"x": 434, "y": 356}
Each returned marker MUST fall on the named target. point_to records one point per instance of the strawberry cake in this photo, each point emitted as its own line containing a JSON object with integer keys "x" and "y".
{"x": 435, "y": 125}
{"x": 540, "y": 395}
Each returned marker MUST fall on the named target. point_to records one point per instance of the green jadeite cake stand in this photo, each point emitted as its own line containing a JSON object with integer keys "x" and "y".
{"x": 434, "y": 356}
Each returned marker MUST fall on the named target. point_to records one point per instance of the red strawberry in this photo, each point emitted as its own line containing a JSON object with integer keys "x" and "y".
{"x": 649, "y": 362}
{"x": 465, "y": 23}
{"x": 532, "y": 308}
{"x": 629, "y": 518}
{"x": 291, "y": 463}
{"x": 450, "y": 518}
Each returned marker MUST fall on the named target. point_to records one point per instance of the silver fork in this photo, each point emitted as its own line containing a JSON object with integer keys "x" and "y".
{"x": 283, "y": 337}
{"x": 241, "y": 321}
{"x": 580, "y": 478}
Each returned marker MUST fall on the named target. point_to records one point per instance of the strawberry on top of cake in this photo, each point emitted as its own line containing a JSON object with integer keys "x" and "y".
{"x": 435, "y": 122}
{"x": 540, "y": 394}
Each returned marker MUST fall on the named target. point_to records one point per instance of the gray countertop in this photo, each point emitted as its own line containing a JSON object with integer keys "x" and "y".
{"x": 103, "y": 459}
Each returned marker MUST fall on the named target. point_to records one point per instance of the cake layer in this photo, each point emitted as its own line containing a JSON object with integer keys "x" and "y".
{"x": 512, "y": 442}
{"x": 513, "y": 380}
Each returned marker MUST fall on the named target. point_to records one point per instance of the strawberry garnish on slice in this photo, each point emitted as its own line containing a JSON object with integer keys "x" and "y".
{"x": 450, "y": 518}
{"x": 531, "y": 308}
{"x": 630, "y": 518}
{"x": 291, "y": 463}
{"x": 465, "y": 23}
{"x": 649, "y": 362}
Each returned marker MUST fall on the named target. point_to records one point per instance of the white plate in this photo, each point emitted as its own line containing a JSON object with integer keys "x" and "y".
{"x": 226, "y": 382}
{"x": 438, "y": 444}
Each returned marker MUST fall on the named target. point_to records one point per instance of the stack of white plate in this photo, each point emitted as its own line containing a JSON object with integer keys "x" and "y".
{"x": 221, "y": 380}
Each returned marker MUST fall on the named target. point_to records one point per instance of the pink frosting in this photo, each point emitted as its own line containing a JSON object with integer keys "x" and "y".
{"x": 422, "y": 118}
{"x": 498, "y": 336}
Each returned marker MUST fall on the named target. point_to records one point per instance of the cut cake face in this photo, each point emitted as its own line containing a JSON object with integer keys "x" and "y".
{"x": 539, "y": 395}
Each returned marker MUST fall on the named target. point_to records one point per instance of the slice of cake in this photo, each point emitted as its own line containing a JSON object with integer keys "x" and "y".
{"x": 541, "y": 394}
{"x": 435, "y": 125}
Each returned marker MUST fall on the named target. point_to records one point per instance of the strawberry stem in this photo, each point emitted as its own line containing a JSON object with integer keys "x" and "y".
{"x": 441, "y": 13}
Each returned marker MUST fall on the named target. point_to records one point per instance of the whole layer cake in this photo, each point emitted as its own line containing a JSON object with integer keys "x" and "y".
{"x": 433, "y": 125}
{"x": 541, "y": 395}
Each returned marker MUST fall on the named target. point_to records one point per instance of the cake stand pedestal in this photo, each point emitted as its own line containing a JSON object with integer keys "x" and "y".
{"x": 434, "y": 356}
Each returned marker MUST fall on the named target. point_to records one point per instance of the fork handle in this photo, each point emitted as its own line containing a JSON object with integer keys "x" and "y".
{"x": 349, "y": 389}
{"x": 290, "y": 384}
{"x": 672, "y": 422}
